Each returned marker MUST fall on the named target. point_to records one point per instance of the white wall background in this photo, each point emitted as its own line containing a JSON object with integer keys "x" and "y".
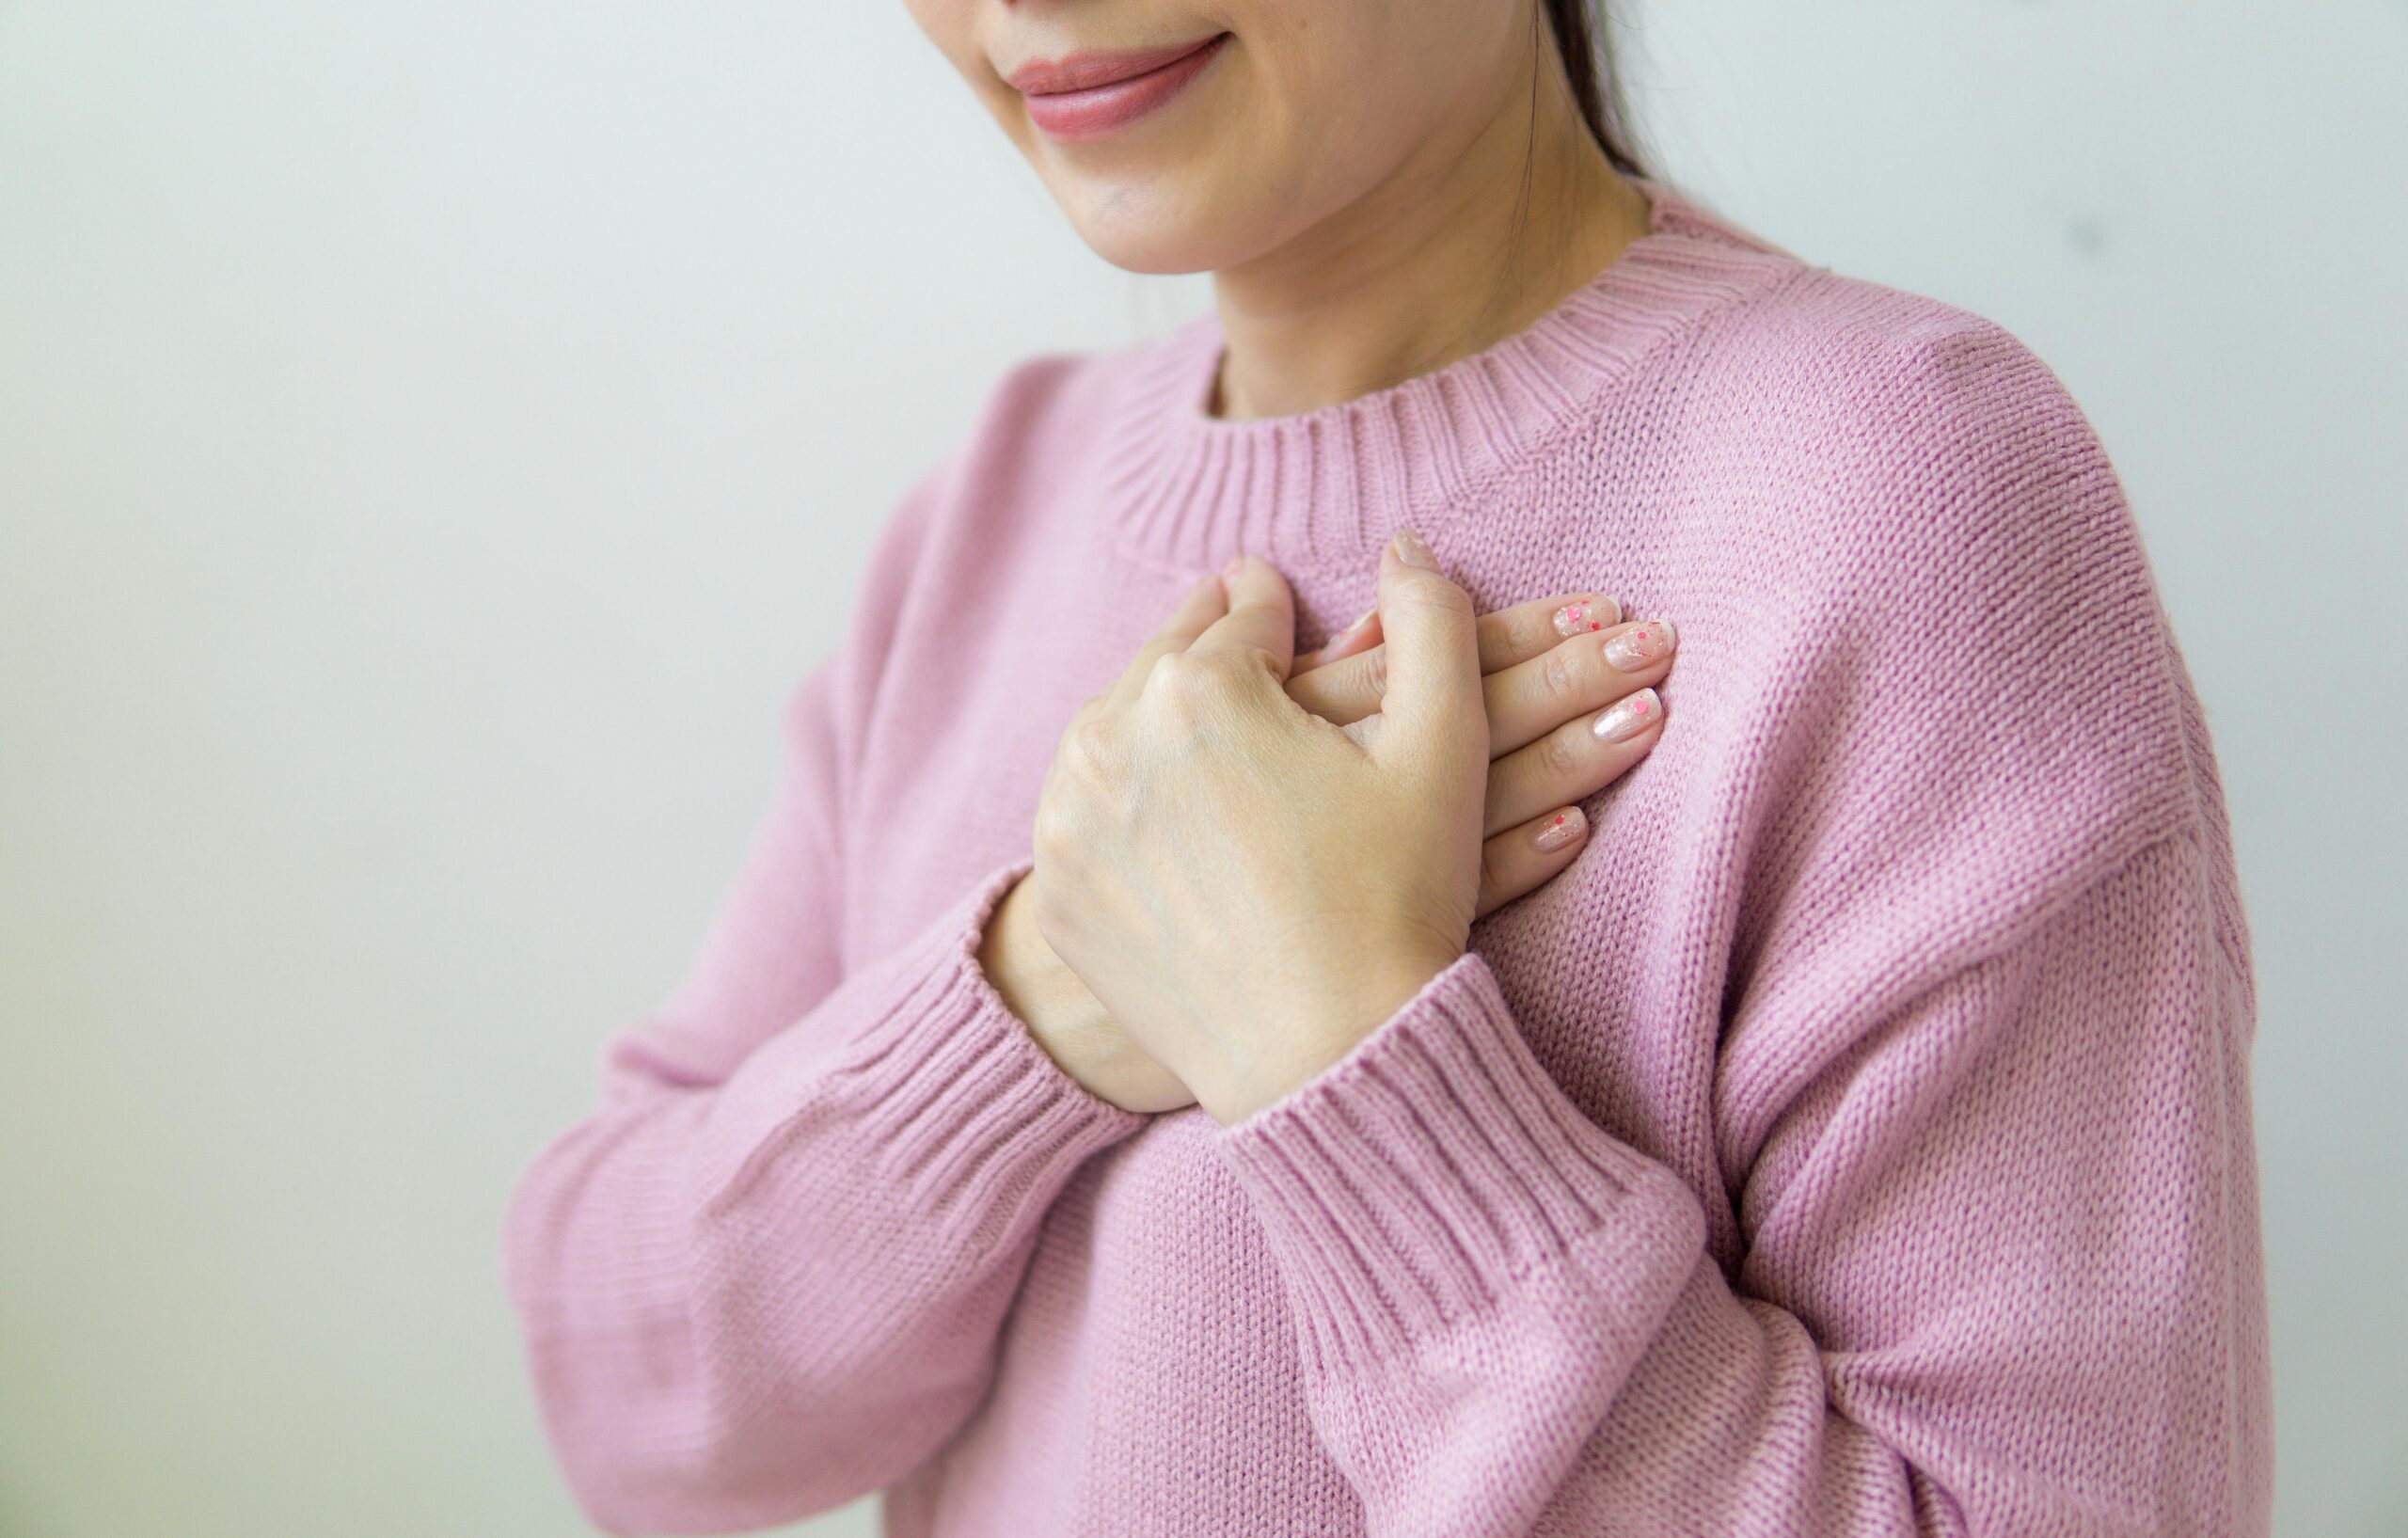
{"x": 433, "y": 436}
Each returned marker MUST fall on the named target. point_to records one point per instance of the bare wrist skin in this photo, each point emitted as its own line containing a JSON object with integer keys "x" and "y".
{"x": 1066, "y": 1020}
{"x": 1304, "y": 1051}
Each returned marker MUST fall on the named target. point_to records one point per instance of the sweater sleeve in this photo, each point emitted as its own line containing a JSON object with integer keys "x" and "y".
{"x": 2001, "y": 1272}
{"x": 764, "y": 1275}
{"x": 1976, "y": 1246}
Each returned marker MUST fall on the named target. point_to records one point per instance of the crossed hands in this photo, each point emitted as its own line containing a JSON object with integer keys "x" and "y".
{"x": 1246, "y": 860}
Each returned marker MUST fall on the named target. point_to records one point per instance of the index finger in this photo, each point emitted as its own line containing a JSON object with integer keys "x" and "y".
{"x": 1349, "y": 690}
{"x": 1198, "y": 609}
{"x": 1261, "y": 616}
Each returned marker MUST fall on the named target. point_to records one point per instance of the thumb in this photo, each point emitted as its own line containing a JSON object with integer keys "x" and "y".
{"x": 1433, "y": 694}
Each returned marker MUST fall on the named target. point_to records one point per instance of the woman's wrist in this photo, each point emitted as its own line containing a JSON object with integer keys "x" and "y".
{"x": 1035, "y": 985}
{"x": 1064, "y": 1017}
{"x": 1370, "y": 998}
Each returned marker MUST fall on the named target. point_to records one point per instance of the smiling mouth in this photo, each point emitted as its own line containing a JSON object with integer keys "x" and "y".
{"x": 1088, "y": 95}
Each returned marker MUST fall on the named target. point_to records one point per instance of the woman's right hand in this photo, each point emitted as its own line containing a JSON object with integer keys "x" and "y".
{"x": 1562, "y": 676}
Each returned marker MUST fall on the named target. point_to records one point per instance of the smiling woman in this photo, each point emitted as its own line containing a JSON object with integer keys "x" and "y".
{"x": 1720, "y": 1004}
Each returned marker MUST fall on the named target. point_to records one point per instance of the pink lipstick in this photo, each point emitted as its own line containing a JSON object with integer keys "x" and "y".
{"x": 1084, "y": 96}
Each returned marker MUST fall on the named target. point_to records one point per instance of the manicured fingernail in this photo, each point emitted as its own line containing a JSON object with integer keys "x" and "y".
{"x": 1355, "y": 628}
{"x": 1411, "y": 552}
{"x": 1560, "y": 830}
{"x": 1586, "y": 614}
{"x": 1629, "y": 716}
{"x": 1650, "y": 643}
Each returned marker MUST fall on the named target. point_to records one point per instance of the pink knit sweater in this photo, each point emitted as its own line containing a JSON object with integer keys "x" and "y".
{"x": 1855, "y": 1139}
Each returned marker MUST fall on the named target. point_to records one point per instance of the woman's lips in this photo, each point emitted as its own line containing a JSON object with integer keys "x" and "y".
{"x": 1091, "y": 94}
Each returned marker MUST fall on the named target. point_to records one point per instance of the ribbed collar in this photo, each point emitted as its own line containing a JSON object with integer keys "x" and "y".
{"x": 1326, "y": 488}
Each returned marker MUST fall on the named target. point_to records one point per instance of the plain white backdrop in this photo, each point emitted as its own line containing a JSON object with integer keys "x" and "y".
{"x": 434, "y": 435}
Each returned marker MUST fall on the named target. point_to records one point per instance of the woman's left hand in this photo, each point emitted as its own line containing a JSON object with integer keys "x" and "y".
{"x": 1249, "y": 889}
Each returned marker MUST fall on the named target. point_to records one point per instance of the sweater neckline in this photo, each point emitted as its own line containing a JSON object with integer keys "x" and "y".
{"x": 1326, "y": 488}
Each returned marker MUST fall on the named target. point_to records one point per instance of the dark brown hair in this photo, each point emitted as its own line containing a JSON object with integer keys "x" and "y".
{"x": 1597, "y": 85}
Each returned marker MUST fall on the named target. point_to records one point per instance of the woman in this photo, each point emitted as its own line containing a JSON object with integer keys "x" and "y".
{"x": 1175, "y": 1062}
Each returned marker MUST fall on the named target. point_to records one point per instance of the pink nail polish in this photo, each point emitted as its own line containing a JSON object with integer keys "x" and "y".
{"x": 1648, "y": 644}
{"x": 1339, "y": 638}
{"x": 1560, "y": 830}
{"x": 1629, "y": 716}
{"x": 1583, "y": 615}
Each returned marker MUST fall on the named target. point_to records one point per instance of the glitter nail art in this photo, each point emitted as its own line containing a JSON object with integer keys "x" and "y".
{"x": 1560, "y": 830}
{"x": 1583, "y": 615}
{"x": 1644, "y": 647}
{"x": 1629, "y": 716}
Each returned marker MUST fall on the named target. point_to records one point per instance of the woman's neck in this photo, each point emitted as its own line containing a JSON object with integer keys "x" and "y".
{"x": 1431, "y": 266}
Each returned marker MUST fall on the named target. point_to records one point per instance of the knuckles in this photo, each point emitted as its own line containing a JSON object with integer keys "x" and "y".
{"x": 1110, "y": 752}
{"x": 1375, "y": 671}
{"x": 1194, "y": 683}
{"x": 1191, "y": 699}
{"x": 1091, "y": 746}
{"x": 1560, "y": 755}
{"x": 1527, "y": 635}
{"x": 1445, "y": 601}
{"x": 1565, "y": 673}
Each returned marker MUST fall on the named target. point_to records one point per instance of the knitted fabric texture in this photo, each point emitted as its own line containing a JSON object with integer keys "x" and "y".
{"x": 1855, "y": 1139}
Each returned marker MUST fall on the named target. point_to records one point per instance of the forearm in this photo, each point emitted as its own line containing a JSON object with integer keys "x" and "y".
{"x": 746, "y": 1301}
{"x": 1955, "y": 1310}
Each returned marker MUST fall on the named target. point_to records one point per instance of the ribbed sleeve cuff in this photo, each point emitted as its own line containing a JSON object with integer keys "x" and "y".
{"x": 1436, "y": 1172}
{"x": 965, "y": 1118}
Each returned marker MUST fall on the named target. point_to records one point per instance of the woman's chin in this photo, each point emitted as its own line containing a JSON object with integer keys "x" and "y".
{"x": 1145, "y": 233}
{"x": 1155, "y": 251}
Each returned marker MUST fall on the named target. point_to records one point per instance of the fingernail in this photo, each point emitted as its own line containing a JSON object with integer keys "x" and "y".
{"x": 1341, "y": 636}
{"x": 1560, "y": 830}
{"x": 1232, "y": 569}
{"x": 1650, "y": 643}
{"x": 1629, "y": 716}
{"x": 1586, "y": 614}
{"x": 1411, "y": 552}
